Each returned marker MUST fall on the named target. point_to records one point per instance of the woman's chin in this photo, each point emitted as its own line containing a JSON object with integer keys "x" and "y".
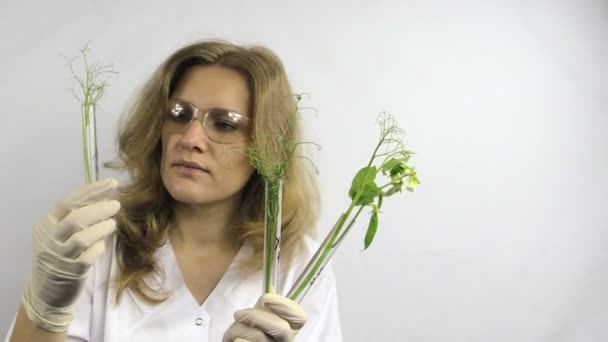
{"x": 191, "y": 193}
{"x": 186, "y": 195}
{"x": 184, "y": 192}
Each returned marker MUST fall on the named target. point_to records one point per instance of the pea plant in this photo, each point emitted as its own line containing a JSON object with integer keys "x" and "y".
{"x": 386, "y": 174}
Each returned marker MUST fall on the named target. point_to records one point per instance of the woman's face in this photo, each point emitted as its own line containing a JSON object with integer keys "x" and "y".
{"x": 198, "y": 167}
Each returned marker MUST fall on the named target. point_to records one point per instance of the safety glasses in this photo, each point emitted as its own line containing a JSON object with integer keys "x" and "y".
{"x": 221, "y": 125}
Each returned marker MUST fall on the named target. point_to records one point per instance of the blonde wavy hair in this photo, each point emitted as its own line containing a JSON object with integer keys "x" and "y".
{"x": 147, "y": 208}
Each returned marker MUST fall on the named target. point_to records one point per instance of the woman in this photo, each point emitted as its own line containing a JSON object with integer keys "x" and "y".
{"x": 175, "y": 255}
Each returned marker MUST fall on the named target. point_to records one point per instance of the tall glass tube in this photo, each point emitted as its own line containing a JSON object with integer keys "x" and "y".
{"x": 89, "y": 143}
{"x": 317, "y": 263}
{"x": 273, "y": 205}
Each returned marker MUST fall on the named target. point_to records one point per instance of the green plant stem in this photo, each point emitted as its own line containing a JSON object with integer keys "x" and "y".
{"x": 88, "y": 113}
{"x": 272, "y": 203}
{"x": 335, "y": 239}
{"x": 85, "y": 145}
{"x": 349, "y": 226}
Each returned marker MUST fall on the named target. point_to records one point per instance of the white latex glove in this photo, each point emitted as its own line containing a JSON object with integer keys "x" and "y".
{"x": 274, "y": 318}
{"x": 66, "y": 243}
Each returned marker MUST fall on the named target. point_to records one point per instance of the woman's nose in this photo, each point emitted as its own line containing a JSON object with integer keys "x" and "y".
{"x": 195, "y": 137}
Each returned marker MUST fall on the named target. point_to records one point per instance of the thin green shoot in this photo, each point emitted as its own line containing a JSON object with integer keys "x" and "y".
{"x": 93, "y": 87}
{"x": 271, "y": 166}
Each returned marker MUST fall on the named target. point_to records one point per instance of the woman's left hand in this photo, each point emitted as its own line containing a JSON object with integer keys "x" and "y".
{"x": 274, "y": 318}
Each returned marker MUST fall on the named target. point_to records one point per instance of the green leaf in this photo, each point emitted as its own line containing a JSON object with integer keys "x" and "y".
{"x": 363, "y": 189}
{"x": 397, "y": 168}
{"x": 369, "y": 192}
{"x": 402, "y": 170}
{"x": 389, "y": 165}
{"x": 372, "y": 228}
{"x": 364, "y": 176}
{"x": 412, "y": 183}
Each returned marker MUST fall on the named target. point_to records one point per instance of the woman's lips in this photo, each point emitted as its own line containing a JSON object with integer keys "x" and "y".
{"x": 190, "y": 170}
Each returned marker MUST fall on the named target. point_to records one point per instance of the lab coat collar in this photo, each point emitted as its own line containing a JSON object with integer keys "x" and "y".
{"x": 230, "y": 289}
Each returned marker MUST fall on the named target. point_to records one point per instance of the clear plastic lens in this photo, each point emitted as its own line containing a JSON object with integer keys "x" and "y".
{"x": 221, "y": 125}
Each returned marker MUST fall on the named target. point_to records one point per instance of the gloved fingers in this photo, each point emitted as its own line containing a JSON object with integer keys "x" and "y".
{"x": 73, "y": 261}
{"x": 65, "y": 270}
{"x": 81, "y": 220}
{"x": 285, "y": 308}
{"x": 58, "y": 268}
{"x": 239, "y": 332}
{"x": 84, "y": 239}
{"x": 267, "y": 322}
{"x": 91, "y": 254}
{"x": 84, "y": 217}
{"x": 88, "y": 194}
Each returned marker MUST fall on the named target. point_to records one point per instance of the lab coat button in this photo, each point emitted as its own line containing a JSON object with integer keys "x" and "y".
{"x": 198, "y": 321}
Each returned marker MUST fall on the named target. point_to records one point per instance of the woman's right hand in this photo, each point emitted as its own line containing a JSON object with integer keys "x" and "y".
{"x": 66, "y": 243}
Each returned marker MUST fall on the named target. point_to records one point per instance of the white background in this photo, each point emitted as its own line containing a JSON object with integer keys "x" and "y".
{"x": 504, "y": 102}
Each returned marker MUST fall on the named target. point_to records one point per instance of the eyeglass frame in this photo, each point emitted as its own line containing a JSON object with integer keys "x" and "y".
{"x": 201, "y": 114}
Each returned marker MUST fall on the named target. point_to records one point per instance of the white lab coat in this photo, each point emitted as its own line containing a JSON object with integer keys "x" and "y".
{"x": 180, "y": 318}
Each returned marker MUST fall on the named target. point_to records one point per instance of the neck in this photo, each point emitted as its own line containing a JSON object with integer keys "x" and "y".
{"x": 204, "y": 227}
